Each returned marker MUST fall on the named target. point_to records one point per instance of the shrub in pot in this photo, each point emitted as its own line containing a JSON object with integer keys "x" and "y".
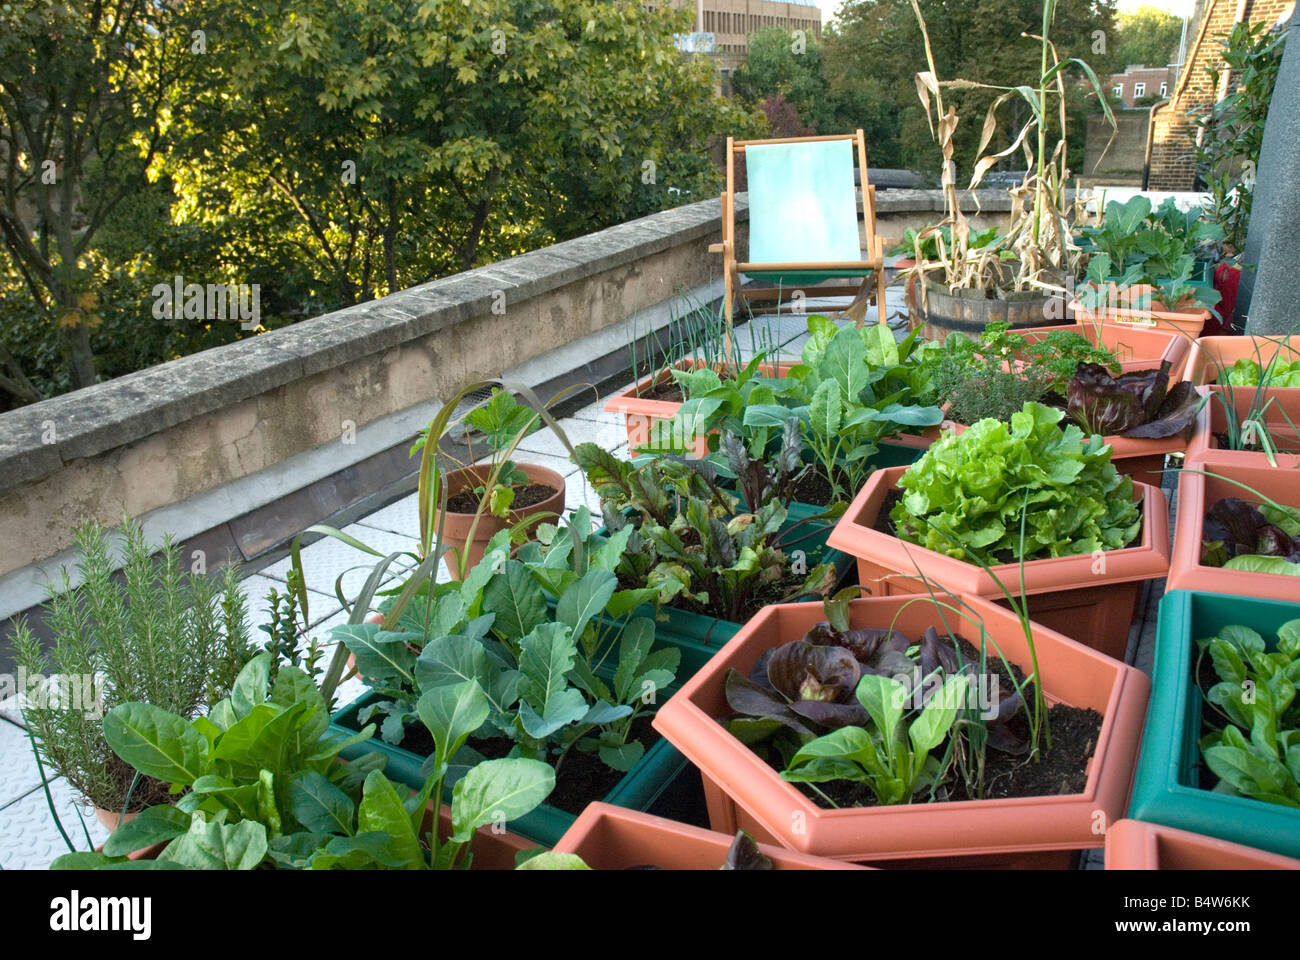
{"x": 978, "y": 502}
{"x": 795, "y": 702}
{"x": 155, "y": 636}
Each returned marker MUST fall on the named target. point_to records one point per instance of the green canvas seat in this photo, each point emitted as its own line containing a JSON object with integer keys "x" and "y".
{"x": 803, "y": 223}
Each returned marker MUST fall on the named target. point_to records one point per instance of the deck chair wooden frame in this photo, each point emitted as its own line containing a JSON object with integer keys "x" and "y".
{"x": 864, "y": 280}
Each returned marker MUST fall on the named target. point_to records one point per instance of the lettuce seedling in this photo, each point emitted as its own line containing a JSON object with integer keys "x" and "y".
{"x": 892, "y": 758}
{"x": 1257, "y": 752}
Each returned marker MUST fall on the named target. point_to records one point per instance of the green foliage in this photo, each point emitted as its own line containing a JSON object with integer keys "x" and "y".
{"x": 1232, "y": 129}
{"x": 965, "y": 496}
{"x": 996, "y": 374}
{"x": 1148, "y": 246}
{"x": 1147, "y": 35}
{"x": 1248, "y": 373}
{"x": 264, "y": 783}
{"x": 892, "y": 758}
{"x": 156, "y": 636}
{"x": 686, "y": 538}
{"x": 330, "y": 152}
{"x": 1256, "y": 751}
{"x": 773, "y": 69}
{"x": 539, "y": 666}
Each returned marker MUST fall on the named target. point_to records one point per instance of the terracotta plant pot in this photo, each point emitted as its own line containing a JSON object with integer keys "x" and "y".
{"x": 110, "y": 820}
{"x": 611, "y": 838}
{"x": 1137, "y": 348}
{"x": 752, "y": 795}
{"x": 1134, "y": 845}
{"x": 1091, "y": 600}
{"x": 492, "y": 850}
{"x": 1187, "y": 321}
{"x": 1211, "y": 354}
{"x": 1213, "y": 420}
{"x": 456, "y": 525}
{"x": 1196, "y": 494}
{"x": 649, "y": 420}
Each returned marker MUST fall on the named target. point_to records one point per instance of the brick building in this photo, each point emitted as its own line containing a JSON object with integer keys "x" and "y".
{"x": 1139, "y": 81}
{"x": 730, "y": 22}
{"x": 1171, "y": 165}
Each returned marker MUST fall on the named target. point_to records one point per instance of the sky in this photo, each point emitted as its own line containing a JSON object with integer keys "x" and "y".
{"x": 1181, "y": 8}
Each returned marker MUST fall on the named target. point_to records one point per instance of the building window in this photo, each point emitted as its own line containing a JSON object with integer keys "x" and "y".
{"x": 1164, "y": 89}
{"x": 1139, "y": 90}
{"x": 1119, "y": 90}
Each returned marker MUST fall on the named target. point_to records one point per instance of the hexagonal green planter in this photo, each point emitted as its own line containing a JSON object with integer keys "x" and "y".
{"x": 1165, "y": 788}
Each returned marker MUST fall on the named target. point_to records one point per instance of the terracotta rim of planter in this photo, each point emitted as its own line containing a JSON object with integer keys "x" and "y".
{"x": 1074, "y": 674}
{"x": 854, "y": 535}
{"x": 456, "y": 525}
{"x": 1210, "y": 354}
{"x": 1204, "y": 448}
{"x": 640, "y": 413}
{"x": 1194, "y": 498}
{"x": 1152, "y": 344}
{"x": 613, "y": 838}
{"x": 1189, "y": 322}
{"x": 492, "y": 850}
{"x": 1135, "y": 845}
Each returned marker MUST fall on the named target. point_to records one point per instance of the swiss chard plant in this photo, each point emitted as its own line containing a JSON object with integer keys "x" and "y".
{"x": 539, "y": 664}
{"x": 1255, "y": 751}
{"x": 691, "y": 542}
{"x": 261, "y": 785}
{"x": 965, "y": 496}
{"x": 852, "y": 388}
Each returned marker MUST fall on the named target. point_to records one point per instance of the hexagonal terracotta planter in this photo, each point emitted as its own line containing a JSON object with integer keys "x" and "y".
{"x": 1187, "y": 322}
{"x": 611, "y": 838}
{"x": 1134, "y": 845}
{"x": 1213, "y": 420}
{"x": 1197, "y": 492}
{"x": 1211, "y": 354}
{"x": 647, "y": 419}
{"x": 1090, "y": 600}
{"x": 745, "y": 792}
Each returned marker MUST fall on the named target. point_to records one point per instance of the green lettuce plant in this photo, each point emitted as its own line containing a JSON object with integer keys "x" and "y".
{"x": 964, "y": 497}
{"x": 1256, "y": 753}
{"x": 891, "y": 757}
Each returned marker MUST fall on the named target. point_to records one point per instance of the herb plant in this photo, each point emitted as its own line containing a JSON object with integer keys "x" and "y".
{"x": 157, "y": 636}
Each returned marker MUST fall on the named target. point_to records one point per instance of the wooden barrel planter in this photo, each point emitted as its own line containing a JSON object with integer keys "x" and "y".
{"x": 943, "y": 311}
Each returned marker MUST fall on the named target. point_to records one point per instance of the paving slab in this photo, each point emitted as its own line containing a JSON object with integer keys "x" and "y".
{"x": 29, "y": 838}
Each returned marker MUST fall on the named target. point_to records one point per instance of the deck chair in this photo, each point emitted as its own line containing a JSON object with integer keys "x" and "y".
{"x": 803, "y": 224}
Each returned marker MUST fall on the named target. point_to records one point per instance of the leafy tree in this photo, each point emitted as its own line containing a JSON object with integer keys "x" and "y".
{"x": 1147, "y": 35}
{"x": 780, "y": 64}
{"x": 875, "y": 51}
{"x": 88, "y": 94}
